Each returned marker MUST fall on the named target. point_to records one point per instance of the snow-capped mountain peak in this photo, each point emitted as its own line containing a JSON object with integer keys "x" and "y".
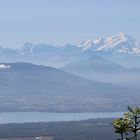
{"x": 118, "y": 43}
{"x": 86, "y": 44}
{"x": 98, "y": 40}
{"x": 122, "y": 36}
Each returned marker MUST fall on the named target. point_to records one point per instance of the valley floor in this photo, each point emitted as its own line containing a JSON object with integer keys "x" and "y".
{"x": 56, "y": 103}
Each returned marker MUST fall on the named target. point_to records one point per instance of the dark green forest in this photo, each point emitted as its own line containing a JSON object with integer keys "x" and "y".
{"x": 97, "y": 129}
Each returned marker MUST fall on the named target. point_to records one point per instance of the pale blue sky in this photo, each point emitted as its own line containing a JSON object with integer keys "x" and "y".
{"x": 60, "y": 21}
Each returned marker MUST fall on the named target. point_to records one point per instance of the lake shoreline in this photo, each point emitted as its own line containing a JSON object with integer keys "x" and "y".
{"x": 23, "y": 117}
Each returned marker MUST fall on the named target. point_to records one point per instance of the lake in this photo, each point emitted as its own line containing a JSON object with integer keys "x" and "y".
{"x": 21, "y": 117}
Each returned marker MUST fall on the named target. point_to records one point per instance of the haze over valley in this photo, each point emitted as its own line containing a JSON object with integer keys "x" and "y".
{"x": 69, "y": 70}
{"x": 95, "y": 75}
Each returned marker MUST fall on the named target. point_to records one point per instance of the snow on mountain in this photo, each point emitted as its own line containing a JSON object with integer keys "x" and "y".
{"x": 86, "y": 44}
{"x": 136, "y": 50}
{"x": 119, "y": 43}
{"x": 3, "y": 66}
{"x": 120, "y": 48}
{"x": 30, "y": 48}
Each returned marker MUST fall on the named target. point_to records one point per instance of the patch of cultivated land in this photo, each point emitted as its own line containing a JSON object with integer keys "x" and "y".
{"x": 56, "y": 103}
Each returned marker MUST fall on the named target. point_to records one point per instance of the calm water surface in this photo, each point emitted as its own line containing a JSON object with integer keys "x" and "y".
{"x": 20, "y": 117}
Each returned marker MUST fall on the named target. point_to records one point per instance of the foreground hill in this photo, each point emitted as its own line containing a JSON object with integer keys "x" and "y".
{"x": 100, "y": 129}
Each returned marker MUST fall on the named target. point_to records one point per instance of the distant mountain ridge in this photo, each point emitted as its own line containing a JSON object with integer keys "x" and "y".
{"x": 94, "y": 64}
{"x": 121, "y": 48}
{"x": 121, "y": 43}
{"x": 102, "y": 69}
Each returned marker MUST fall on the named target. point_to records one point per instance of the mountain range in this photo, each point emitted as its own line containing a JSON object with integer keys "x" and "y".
{"x": 121, "y": 48}
{"x": 94, "y": 75}
{"x": 29, "y": 87}
{"x": 105, "y": 70}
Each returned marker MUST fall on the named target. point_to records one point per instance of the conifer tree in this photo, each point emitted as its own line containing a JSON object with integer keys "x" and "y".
{"x": 133, "y": 114}
{"x": 122, "y": 126}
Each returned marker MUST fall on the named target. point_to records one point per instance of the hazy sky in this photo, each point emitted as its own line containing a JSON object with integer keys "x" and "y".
{"x": 60, "y": 21}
